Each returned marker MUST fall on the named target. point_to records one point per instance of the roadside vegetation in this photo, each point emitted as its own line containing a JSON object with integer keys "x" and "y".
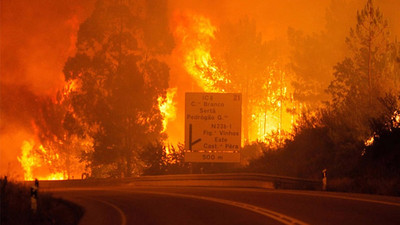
{"x": 353, "y": 165}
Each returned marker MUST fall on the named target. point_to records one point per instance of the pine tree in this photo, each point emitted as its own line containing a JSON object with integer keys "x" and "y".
{"x": 366, "y": 74}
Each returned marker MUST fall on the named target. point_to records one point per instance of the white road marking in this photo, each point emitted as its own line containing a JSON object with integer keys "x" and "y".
{"x": 315, "y": 194}
{"x": 265, "y": 212}
{"x": 122, "y": 214}
{"x": 341, "y": 197}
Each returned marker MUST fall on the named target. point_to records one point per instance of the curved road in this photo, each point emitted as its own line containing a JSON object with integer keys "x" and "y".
{"x": 125, "y": 205}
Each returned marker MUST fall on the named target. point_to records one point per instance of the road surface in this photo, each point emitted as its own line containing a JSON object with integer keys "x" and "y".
{"x": 125, "y": 205}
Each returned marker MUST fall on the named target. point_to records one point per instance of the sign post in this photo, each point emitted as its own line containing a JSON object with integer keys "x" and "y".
{"x": 213, "y": 127}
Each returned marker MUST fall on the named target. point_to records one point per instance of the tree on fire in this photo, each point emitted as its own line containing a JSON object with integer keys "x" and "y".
{"x": 120, "y": 79}
{"x": 248, "y": 63}
{"x": 57, "y": 129}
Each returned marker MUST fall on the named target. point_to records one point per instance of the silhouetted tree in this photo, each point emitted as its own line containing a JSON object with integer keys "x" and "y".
{"x": 367, "y": 73}
{"x": 119, "y": 79}
{"x": 154, "y": 157}
{"x": 159, "y": 159}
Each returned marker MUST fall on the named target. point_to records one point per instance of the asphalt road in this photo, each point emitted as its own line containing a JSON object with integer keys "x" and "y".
{"x": 189, "y": 205}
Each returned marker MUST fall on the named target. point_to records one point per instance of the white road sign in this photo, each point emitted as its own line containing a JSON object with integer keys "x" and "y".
{"x": 213, "y": 124}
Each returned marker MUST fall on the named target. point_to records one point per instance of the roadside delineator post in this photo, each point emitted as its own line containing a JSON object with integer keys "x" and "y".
{"x": 324, "y": 179}
{"x": 34, "y": 196}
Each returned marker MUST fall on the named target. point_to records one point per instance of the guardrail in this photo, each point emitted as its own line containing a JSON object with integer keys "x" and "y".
{"x": 249, "y": 180}
{"x": 230, "y": 180}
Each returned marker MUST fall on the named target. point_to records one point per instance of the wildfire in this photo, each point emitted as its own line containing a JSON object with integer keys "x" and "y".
{"x": 273, "y": 111}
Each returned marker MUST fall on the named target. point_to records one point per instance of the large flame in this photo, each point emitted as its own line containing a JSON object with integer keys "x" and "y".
{"x": 27, "y": 162}
{"x": 194, "y": 34}
{"x": 33, "y": 165}
{"x": 57, "y": 158}
{"x": 277, "y": 111}
{"x": 49, "y": 163}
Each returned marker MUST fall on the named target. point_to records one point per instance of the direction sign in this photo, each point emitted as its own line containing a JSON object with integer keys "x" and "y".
{"x": 213, "y": 124}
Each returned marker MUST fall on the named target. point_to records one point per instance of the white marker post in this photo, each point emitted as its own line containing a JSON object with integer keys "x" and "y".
{"x": 324, "y": 179}
{"x": 34, "y": 196}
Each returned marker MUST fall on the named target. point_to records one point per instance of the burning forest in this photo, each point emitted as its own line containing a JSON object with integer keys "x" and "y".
{"x": 97, "y": 88}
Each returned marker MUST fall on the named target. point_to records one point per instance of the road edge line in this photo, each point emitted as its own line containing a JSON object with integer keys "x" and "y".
{"x": 328, "y": 195}
{"x": 121, "y": 213}
{"x": 265, "y": 212}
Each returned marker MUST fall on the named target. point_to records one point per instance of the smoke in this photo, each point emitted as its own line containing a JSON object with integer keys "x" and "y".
{"x": 36, "y": 39}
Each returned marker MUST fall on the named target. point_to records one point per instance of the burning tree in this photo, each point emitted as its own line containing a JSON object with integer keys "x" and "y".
{"x": 252, "y": 67}
{"x": 239, "y": 49}
{"x": 54, "y": 152}
{"x": 120, "y": 79}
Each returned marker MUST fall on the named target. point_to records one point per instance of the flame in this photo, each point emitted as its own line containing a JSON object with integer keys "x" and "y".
{"x": 194, "y": 33}
{"x": 56, "y": 158}
{"x": 370, "y": 141}
{"x": 27, "y": 162}
{"x": 395, "y": 122}
{"x": 396, "y": 119}
{"x": 167, "y": 107}
{"x": 30, "y": 161}
{"x": 71, "y": 86}
{"x": 277, "y": 111}
{"x": 44, "y": 163}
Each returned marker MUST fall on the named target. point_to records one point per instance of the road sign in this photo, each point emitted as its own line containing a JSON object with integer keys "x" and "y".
{"x": 213, "y": 124}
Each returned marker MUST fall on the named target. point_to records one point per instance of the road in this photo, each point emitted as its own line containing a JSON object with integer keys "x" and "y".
{"x": 125, "y": 205}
